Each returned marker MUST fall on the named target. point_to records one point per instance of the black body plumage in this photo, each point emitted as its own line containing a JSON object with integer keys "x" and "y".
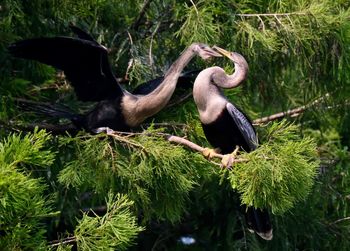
{"x": 84, "y": 63}
{"x": 232, "y": 128}
{"x": 225, "y": 133}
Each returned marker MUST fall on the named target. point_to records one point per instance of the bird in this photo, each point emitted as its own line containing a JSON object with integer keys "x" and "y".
{"x": 226, "y": 127}
{"x": 85, "y": 64}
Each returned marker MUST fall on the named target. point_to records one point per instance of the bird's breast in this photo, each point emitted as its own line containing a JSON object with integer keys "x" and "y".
{"x": 213, "y": 107}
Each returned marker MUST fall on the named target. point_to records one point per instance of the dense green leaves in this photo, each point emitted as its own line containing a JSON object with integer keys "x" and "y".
{"x": 280, "y": 172}
{"x": 115, "y": 230}
{"x": 23, "y": 204}
{"x": 298, "y": 51}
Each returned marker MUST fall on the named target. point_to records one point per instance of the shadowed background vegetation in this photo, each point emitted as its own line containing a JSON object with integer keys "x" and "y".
{"x": 139, "y": 192}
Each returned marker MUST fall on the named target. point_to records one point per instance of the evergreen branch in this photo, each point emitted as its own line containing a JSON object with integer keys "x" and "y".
{"x": 169, "y": 137}
{"x": 292, "y": 113}
{"x": 112, "y": 133}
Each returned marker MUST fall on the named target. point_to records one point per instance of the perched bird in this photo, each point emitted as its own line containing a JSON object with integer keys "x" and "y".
{"x": 226, "y": 127}
{"x": 85, "y": 64}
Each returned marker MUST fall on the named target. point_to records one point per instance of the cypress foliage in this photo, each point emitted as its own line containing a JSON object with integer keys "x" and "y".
{"x": 280, "y": 172}
{"x": 23, "y": 204}
{"x": 139, "y": 191}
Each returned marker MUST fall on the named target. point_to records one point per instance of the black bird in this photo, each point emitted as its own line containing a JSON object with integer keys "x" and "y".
{"x": 226, "y": 127}
{"x": 85, "y": 64}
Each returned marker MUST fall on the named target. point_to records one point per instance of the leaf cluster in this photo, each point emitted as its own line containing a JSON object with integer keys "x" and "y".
{"x": 150, "y": 170}
{"x": 116, "y": 229}
{"x": 280, "y": 172}
{"x": 23, "y": 204}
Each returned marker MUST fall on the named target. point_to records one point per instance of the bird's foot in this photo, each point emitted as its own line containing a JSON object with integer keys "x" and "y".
{"x": 106, "y": 130}
{"x": 227, "y": 159}
{"x": 209, "y": 153}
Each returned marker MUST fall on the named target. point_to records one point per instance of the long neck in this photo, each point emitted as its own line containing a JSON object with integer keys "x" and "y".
{"x": 209, "y": 99}
{"x": 138, "y": 108}
{"x": 157, "y": 99}
{"x": 230, "y": 81}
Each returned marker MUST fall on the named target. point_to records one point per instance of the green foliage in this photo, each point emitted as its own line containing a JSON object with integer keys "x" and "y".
{"x": 23, "y": 205}
{"x": 151, "y": 171}
{"x": 201, "y": 18}
{"x": 116, "y": 230}
{"x": 297, "y": 52}
{"x": 280, "y": 172}
{"x": 17, "y": 150}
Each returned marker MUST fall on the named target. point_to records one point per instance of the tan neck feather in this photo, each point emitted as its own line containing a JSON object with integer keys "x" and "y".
{"x": 137, "y": 108}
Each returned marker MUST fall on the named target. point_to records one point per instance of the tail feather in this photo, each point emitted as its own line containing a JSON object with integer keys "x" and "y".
{"x": 258, "y": 220}
{"x": 52, "y": 110}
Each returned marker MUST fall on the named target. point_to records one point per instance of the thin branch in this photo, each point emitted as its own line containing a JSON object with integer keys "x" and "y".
{"x": 262, "y": 23}
{"x": 340, "y": 220}
{"x": 273, "y": 14}
{"x": 195, "y": 7}
{"x": 115, "y": 135}
{"x": 151, "y": 45}
{"x": 169, "y": 137}
{"x": 61, "y": 242}
{"x": 293, "y": 112}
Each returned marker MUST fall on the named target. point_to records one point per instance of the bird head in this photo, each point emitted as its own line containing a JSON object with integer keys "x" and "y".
{"x": 204, "y": 51}
{"x": 235, "y": 57}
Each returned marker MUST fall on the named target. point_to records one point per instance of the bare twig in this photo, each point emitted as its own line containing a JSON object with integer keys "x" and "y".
{"x": 195, "y": 7}
{"x": 340, "y": 220}
{"x": 273, "y": 14}
{"x": 151, "y": 45}
{"x": 293, "y": 112}
{"x": 61, "y": 242}
{"x": 115, "y": 135}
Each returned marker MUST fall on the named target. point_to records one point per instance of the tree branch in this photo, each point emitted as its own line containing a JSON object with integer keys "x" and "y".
{"x": 340, "y": 220}
{"x": 169, "y": 137}
{"x": 62, "y": 242}
{"x": 258, "y": 15}
{"x": 292, "y": 113}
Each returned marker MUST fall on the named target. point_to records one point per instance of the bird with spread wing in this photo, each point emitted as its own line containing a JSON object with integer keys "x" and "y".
{"x": 85, "y": 64}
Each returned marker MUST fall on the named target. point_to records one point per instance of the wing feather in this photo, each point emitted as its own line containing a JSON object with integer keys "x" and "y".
{"x": 85, "y": 64}
{"x": 244, "y": 125}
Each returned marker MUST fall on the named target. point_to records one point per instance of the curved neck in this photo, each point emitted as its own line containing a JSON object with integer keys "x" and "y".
{"x": 157, "y": 99}
{"x": 142, "y": 107}
{"x": 223, "y": 80}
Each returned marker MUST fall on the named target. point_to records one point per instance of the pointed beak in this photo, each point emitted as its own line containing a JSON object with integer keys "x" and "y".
{"x": 212, "y": 52}
{"x": 222, "y": 51}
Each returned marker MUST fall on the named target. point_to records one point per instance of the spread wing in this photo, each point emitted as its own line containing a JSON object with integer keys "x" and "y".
{"x": 84, "y": 62}
{"x": 82, "y": 34}
{"x": 244, "y": 125}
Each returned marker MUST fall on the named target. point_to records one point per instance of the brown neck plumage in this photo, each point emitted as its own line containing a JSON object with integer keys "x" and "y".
{"x": 138, "y": 108}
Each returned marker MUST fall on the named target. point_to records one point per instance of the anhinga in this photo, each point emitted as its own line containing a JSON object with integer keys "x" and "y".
{"x": 226, "y": 127}
{"x": 85, "y": 64}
